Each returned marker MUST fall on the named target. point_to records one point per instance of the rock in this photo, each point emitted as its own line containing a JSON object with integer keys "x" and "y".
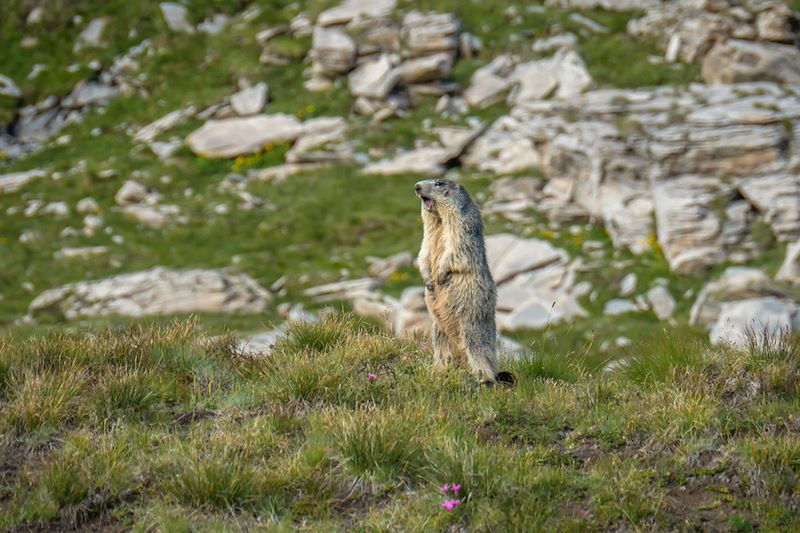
{"x": 610, "y": 5}
{"x": 661, "y": 302}
{"x": 155, "y": 217}
{"x": 736, "y": 61}
{"x": 758, "y": 321}
{"x": 425, "y": 161}
{"x": 343, "y": 290}
{"x": 89, "y": 93}
{"x": 251, "y": 100}
{"x": 265, "y": 36}
{"x": 736, "y": 283}
{"x": 775, "y": 24}
{"x": 321, "y": 142}
{"x": 149, "y": 133}
{"x": 280, "y": 173}
{"x": 215, "y": 25}
{"x": 424, "y": 33}
{"x": 333, "y": 51}
{"x": 164, "y": 150}
{"x": 232, "y": 137}
{"x": 490, "y": 83}
{"x": 469, "y": 45}
{"x": 157, "y": 291}
{"x": 87, "y": 205}
{"x": 689, "y": 230}
{"x": 628, "y": 285}
{"x": 531, "y": 314}
{"x": 777, "y": 197}
{"x": 301, "y": 26}
{"x": 356, "y": 10}
{"x": 175, "y": 17}
{"x": 131, "y": 192}
{"x": 618, "y": 307}
{"x": 790, "y": 269}
{"x": 426, "y": 68}
{"x": 8, "y": 87}
{"x": 502, "y": 149}
{"x": 412, "y": 318}
{"x": 16, "y": 180}
{"x": 35, "y": 16}
{"x": 588, "y": 23}
{"x": 563, "y": 40}
{"x": 80, "y": 253}
{"x": 59, "y": 209}
{"x": 509, "y": 255}
{"x": 383, "y": 269}
{"x": 92, "y": 35}
{"x": 374, "y": 79}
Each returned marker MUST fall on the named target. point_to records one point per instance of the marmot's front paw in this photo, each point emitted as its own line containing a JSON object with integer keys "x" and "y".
{"x": 443, "y": 278}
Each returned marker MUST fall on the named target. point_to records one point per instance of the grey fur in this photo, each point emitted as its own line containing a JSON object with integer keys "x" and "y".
{"x": 459, "y": 290}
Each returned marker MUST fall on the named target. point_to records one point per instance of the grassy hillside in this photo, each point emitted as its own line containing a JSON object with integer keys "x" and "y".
{"x": 162, "y": 427}
{"x": 353, "y": 215}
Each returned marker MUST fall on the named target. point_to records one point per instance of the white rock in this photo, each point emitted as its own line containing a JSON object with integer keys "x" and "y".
{"x": 509, "y": 255}
{"x": 736, "y": 283}
{"x": 761, "y": 321}
{"x": 8, "y": 87}
{"x": 426, "y": 68}
{"x": 343, "y": 290}
{"x": 627, "y": 285}
{"x": 425, "y": 161}
{"x": 384, "y": 268}
{"x": 16, "y": 180}
{"x": 232, "y": 137}
{"x": 333, "y": 51}
{"x": 80, "y": 252}
{"x": 374, "y": 79}
{"x": 131, "y": 192}
{"x": 92, "y": 35}
{"x": 351, "y": 10}
{"x": 170, "y": 120}
{"x": 251, "y": 100}
{"x": 159, "y": 291}
{"x": 618, "y": 307}
{"x": 490, "y": 83}
{"x": 154, "y": 217}
{"x": 737, "y": 61}
{"x": 87, "y": 205}
{"x": 59, "y": 209}
{"x": 790, "y": 269}
{"x": 215, "y": 25}
{"x": 661, "y": 302}
{"x": 175, "y": 17}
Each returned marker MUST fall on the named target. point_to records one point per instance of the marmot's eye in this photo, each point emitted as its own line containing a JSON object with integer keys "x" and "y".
{"x": 439, "y": 183}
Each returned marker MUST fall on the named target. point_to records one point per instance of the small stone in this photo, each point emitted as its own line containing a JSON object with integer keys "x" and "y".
{"x": 251, "y": 100}
{"x": 618, "y": 307}
{"x": 87, "y": 205}
{"x": 131, "y": 192}
{"x": 175, "y": 15}
{"x": 627, "y": 285}
{"x": 661, "y": 302}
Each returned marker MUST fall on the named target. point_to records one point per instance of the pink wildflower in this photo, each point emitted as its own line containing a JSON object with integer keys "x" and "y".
{"x": 372, "y": 377}
{"x": 450, "y": 504}
{"x": 455, "y": 487}
{"x": 445, "y": 488}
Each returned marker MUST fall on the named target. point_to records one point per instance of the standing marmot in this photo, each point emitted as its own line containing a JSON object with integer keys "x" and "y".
{"x": 459, "y": 289}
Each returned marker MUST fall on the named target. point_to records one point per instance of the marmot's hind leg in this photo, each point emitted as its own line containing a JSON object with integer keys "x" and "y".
{"x": 482, "y": 355}
{"x": 443, "y": 349}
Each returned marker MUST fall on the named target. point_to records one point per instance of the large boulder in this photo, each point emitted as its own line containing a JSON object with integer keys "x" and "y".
{"x": 736, "y": 61}
{"x": 157, "y": 291}
{"x": 232, "y": 137}
{"x": 735, "y": 284}
{"x": 758, "y": 321}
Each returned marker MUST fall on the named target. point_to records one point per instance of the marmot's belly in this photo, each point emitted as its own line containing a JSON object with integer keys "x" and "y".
{"x": 448, "y": 304}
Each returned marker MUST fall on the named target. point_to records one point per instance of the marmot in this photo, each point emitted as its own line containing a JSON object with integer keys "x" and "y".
{"x": 459, "y": 289}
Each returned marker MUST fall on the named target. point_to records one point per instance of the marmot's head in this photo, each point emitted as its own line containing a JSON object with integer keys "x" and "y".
{"x": 439, "y": 196}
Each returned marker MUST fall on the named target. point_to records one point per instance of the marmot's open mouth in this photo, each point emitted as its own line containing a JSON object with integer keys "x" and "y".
{"x": 427, "y": 202}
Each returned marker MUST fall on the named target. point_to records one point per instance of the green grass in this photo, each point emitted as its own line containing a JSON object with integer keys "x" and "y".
{"x": 196, "y": 437}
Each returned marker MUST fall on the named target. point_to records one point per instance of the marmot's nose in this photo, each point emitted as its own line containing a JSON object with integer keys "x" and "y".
{"x": 417, "y": 188}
